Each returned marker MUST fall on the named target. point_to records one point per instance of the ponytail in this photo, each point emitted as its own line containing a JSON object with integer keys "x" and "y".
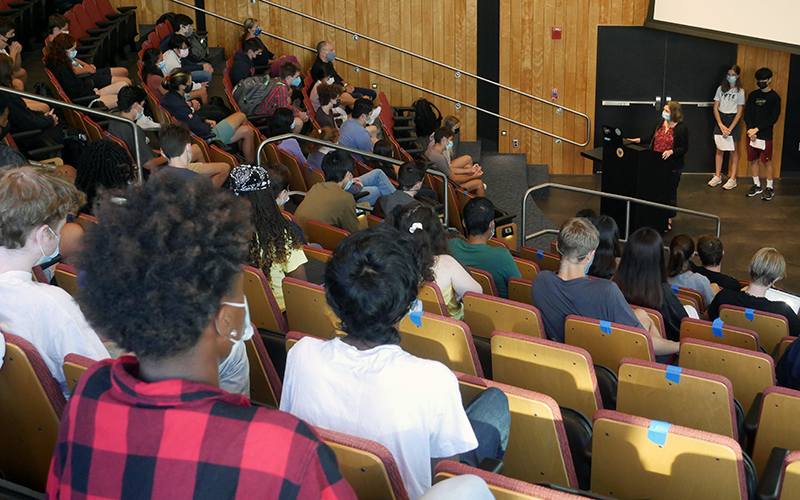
{"x": 176, "y": 78}
{"x": 681, "y": 249}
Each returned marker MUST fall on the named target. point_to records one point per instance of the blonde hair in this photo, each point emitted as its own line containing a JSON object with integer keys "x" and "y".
{"x": 32, "y": 196}
{"x": 450, "y": 122}
{"x": 767, "y": 267}
{"x": 577, "y": 238}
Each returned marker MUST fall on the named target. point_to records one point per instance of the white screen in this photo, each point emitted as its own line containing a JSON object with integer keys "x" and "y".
{"x": 773, "y": 20}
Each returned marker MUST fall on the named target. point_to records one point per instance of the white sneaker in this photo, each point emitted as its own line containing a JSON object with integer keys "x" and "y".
{"x": 730, "y": 184}
{"x": 147, "y": 123}
{"x": 715, "y": 181}
{"x": 374, "y": 115}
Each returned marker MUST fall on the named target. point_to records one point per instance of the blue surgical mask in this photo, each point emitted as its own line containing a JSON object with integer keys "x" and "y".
{"x": 138, "y": 115}
{"x": 162, "y": 65}
{"x": 330, "y": 56}
{"x": 732, "y": 79}
{"x": 257, "y": 31}
{"x": 47, "y": 258}
{"x": 349, "y": 183}
{"x": 247, "y": 327}
{"x": 292, "y": 127}
{"x": 72, "y": 54}
{"x": 283, "y": 200}
{"x": 296, "y": 82}
{"x": 665, "y": 116}
{"x": 449, "y": 146}
{"x": 588, "y": 266}
{"x": 187, "y": 94}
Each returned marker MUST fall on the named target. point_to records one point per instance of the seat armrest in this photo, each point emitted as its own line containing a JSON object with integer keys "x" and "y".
{"x": 84, "y": 101}
{"x": 45, "y": 152}
{"x": 753, "y": 415}
{"x": 97, "y": 32}
{"x": 772, "y": 476}
{"x": 104, "y": 24}
{"x": 123, "y": 10}
{"x": 91, "y": 40}
{"x": 24, "y": 135}
{"x": 492, "y": 465}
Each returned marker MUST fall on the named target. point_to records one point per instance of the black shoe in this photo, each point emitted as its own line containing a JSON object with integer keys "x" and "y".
{"x": 754, "y": 190}
{"x": 769, "y": 193}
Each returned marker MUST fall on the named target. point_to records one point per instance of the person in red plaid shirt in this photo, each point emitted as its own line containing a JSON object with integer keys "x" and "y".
{"x": 279, "y": 96}
{"x": 162, "y": 278}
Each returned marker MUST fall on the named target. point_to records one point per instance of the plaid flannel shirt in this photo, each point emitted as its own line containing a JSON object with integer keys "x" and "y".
{"x": 123, "y": 438}
{"x": 278, "y": 98}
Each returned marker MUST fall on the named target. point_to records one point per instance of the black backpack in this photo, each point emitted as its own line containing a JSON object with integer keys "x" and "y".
{"x": 425, "y": 120}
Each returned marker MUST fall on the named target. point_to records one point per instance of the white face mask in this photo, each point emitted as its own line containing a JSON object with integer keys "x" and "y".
{"x": 331, "y": 81}
{"x": 47, "y": 258}
{"x": 247, "y": 327}
{"x": 183, "y": 53}
{"x": 283, "y": 199}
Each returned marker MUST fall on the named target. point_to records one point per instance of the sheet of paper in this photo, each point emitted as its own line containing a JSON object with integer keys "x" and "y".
{"x": 759, "y": 144}
{"x": 724, "y": 143}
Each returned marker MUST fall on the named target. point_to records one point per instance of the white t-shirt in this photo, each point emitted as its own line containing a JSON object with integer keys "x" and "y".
{"x": 730, "y": 101}
{"x": 412, "y": 406}
{"x": 50, "y": 319}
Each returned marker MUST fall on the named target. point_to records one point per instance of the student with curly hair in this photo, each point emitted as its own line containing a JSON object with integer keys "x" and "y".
{"x": 104, "y": 165}
{"x": 275, "y": 247}
{"x": 173, "y": 296}
{"x": 329, "y": 101}
{"x": 152, "y": 76}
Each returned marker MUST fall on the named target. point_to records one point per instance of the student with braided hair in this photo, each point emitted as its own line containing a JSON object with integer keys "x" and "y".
{"x": 103, "y": 165}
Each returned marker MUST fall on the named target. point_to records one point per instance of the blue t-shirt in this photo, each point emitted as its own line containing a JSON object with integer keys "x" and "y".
{"x": 592, "y": 298}
{"x": 184, "y": 173}
{"x": 353, "y": 135}
{"x": 494, "y": 260}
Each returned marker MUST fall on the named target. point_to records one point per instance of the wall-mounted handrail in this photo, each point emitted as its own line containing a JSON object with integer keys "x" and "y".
{"x": 458, "y": 72}
{"x": 423, "y": 89}
{"x": 89, "y": 111}
{"x": 627, "y": 199}
{"x": 350, "y": 150}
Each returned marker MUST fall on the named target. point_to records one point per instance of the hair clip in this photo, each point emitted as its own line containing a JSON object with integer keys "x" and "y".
{"x": 414, "y": 227}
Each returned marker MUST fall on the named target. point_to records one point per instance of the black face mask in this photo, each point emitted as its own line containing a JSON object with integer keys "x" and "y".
{"x": 761, "y": 85}
{"x": 4, "y": 131}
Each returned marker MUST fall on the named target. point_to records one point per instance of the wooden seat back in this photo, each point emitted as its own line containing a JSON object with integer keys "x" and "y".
{"x": 608, "y": 343}
{"x": 265, "y": 386}
{"x": 777, "y": 424}
{"x": 323, "y": 234}
{"x": 67, "y": 279}
{"x": 307, "y": 311}
{"x": 446, "y": 340}
{"x": 527, "y": 269}
{"x": 545, "y": 260}
{"x": 519, "y": 290}
{"x": 722, "y": 334}
{"x": 485, "y": 314}
{"x": 485, "y": 279}
{"x": 432, "y": 300}
{"x": 770, "y": 327}
{"x": 264, "y": 310}
{"x": 74, "y": 366}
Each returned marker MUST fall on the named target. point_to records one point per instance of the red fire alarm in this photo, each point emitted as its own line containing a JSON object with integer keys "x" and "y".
{"x": 556, "y": 32}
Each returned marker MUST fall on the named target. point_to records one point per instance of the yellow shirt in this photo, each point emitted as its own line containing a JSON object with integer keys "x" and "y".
{"x": 294, "y": 259}
{"x": 455, "y": 308}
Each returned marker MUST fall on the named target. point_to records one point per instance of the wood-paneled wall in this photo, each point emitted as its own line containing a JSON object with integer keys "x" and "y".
{"x": 441, "y": 30}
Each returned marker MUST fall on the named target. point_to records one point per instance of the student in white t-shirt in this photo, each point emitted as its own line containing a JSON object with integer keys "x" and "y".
{"x": 365, "y": 385}
{"x": 728, "y": 110}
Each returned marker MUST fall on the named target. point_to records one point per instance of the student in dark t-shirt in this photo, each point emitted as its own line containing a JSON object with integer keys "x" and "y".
{"x": 131, "y": 102}
{"x": 710, "y": 251}
{"x": 761, "y": 112}
{"x": 175, "y": 139}
{"x": 766, "y": 268}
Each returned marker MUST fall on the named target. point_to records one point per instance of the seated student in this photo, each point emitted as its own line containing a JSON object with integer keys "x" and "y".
{"x": 60, "y": 54}
{"x": 279, "y": 95}
{"x": 275, "y": 247}
{"x": 317, "y": 152}
{"x": 103, "y": 165}
{"x": 681, "y": 249}
{"x": 182, "y": 24}
{"x": 176, "y": 145}
{"x": 252, "y": 30}
{"x": 353, "y": 133}
{"x": 153, "y": 74}
{"x": 364, "y": 384}
{"x": 410, "y": 179}
{"x": 766, "y": 268}
{"x": 642, "y": 279}
{"x": 13, "y": 49}
{"x": 608, "y": 253}
{"x": 329, "y": 101}
{"x": 329, "y": 202}
{"x": 232, "y": 129}
{"x": 176, "y": 57}
{"x": 710, "y": 251}
{"x": 384, "y": 148}
{"x": 131, "y": 102}
{"x": 453, "y": 124}
{"x": 56, "y": 24}
{"x": 569, "y": 291}
{"x": 34, "y": 203}
{"x": 438, "y": 265}
{"x": 326, "y": 79}
{"x": 279, "y": 186}
{"x": 461, "y": 170}
{"x": 180, "y": 326}
{"x": 283, "y": 122}
{"x": 326, "y": 54}
{"x": 243, "y": 66}
{"x": 479, "y": 226}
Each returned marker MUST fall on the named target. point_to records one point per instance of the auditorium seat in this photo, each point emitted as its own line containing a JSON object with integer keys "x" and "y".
{"x": 770, "y": 327}
{"x": 265, "y": 386}
{"x": 307, "y": 310}
{"x": 720, "y": 333}
{"x": 320, "y": 254}
{"x": 496, "y": 242}
{"x": 109, "y": 137}
{"x": 538, "y": 450}
{"x": 608, "y": 343}
{"x": 634, "y": 457}
{"x": 442, "y": 339}
{"x": 485, "y": 280}
{"x": 264, "y": 310}
{"x": 777, "y": 424}
{"x": 527, "y": 269}
{"x": 790, "y": 478}
{"x": 325, "y": 235}
{"x": 453, "y": 210}
{"x": 31, "y": 403}
{"x": 545, "y": 260}
{"x": 485, "y": 314}
{"x": 74, "y": 366}
{"x": 785, "y": 341}
{"x": 519, "y": 290}
{"x": 690, "y": 398}
{"x": 695, "y": 295}
{"x": 749, "y": 372}
{"x": 655, "y": 317}
{"x": 563, "y": 372}
{"x": 67, "y": 278}
{"x": 432, "y": 300}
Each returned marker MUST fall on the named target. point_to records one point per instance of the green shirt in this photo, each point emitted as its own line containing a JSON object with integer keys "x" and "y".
{"x": 495, "y": 260}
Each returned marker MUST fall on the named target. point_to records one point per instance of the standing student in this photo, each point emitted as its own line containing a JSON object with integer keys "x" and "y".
{"x": 761, "y": 112}
{"x": 728, "y": 111}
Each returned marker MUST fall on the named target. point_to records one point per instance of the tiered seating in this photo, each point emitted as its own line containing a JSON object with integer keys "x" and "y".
{"x": 545, "y": 260}
{"x": 446, "y": 340}
{"x": 485, "y": 314}
{"x": 720, "y": 333}
{"x": 770, "y": 327}
{"x": 608, "y": 343}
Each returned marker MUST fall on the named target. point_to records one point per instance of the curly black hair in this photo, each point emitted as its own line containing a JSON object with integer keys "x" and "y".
{"x": 371, "y": 282}
{"x": 104, "y": 165}
{"x": 430, "y": 239}
{"x": 273, "y": 236}
{"x": 159, "y": 262}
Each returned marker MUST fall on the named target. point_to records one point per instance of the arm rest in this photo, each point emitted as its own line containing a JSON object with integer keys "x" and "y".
{"x": 84, "y": 101}
{"x": 771, "y": 477}
{"x": 104, "y": 24}
{"x": 125, "y": 9}
{"x": 104, "y": 124}
{"x": 91, "y": 40}
{"x": 86, "y": 50}
{"x": 753, "y": 415}
{"x": 45, "y": 153}
{"x": 492, "y": 465}
{"x": 403, "y": 108}
{"x": 97, "y": 32}
{"x": 24, "y": 135}
{"x": 84, "y": 76}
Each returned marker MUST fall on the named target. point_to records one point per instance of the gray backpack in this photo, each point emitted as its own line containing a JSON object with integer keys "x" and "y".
{"x": 251, "y": 92}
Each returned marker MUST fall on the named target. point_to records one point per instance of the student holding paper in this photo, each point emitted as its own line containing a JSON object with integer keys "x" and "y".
{"x": 761, "y": 112}
{"x": 728, "y": 111}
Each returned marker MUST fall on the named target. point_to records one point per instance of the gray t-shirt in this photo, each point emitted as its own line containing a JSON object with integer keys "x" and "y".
{"x": 591, "y": 298}
{"x": 694, "y": 281}
{"x": 389, "y": 201}
{"x": 439, "y": 161}
{"x": 123, "y": 132}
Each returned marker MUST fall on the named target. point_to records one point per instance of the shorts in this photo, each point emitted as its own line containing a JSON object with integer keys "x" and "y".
{"x": 102, "y": 78}
{"x": 223, "y": 132}
{"x": 727, "y": 119}
{"x": 754, "y": 154}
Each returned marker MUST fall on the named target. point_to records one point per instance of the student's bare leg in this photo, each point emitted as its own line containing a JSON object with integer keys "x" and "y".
{"x": 235, "y": 120}
{"x": 120, "y": 79}
{"x": 197, "y": 154}
{"x": 247, "y": 145}
{"x": 122, "y": 72}
{"x": 754, "y": 168}
{"x": 718, "y": 162}
{"x": 200, "y": 95}
{"x": 36, "y": 105}
{"x": 461, "y": 162}
{"x": 347, "y": 99}
{"x": 474, "y": 186}
{"x": 113, "y": 89}
{"x": 734, "y": 162}
{"x": 768, "y": 168}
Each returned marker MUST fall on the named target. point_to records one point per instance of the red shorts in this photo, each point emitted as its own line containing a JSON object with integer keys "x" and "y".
{"x": 765, "y": 154}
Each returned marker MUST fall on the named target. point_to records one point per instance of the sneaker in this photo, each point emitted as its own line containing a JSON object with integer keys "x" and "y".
{"x": 754, "y": 190}
{"x": 373, "y": 115}
{"x": 730, "y": 184}
{"x": 147, "y": 123}
{"x": 715, "y": 181}
{"x": 769, "y": 193}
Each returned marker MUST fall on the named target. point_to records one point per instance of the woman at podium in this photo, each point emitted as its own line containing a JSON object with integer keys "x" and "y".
{"x": 671, "y": 139}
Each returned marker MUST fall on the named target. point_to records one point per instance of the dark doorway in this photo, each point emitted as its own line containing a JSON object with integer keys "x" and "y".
{"x": 790, "y": 159}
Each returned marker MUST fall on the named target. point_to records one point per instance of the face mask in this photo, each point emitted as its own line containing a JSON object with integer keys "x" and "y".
{"x": 72, "y": 54}
{"x": 247, "y": 328}
{"x": 589, "y": 265}
{"x": 296, "y": 82}
{"x": 47, "y": 258}
{"x": 189, "y": 31}
{"x": 258, "y": 31}
{"x": 665, "y": 116}
{"x": 186, "y": 94}
{"x": 330, "y": 81}
{"x": 292, "y": 127}
{"x": 283, "y": 200}
{"x": 330, "y": 56}
{"x": 337, "y": 103}
{"x": 349, "y": 183}
{"x": 183, "y": 53}
{"x": 732, "y": 79}
{"x": 162, "y": 65}
{"x": 66, "y": 32}
{"x": 449, "y": 146}
{"x": 139, "y": 115}
{"x": 761, "y": 85}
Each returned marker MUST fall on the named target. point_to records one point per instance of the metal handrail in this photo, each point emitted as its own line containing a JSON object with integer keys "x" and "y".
{"x": 350, "y": 150}
{"x": 627, "y": 199}
{"x": 458, "y": 72}
{"x": 82, "y": 109}
{"x": 403, "y": 82}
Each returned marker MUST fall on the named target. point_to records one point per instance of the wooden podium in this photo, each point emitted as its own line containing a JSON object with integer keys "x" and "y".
{"x": 638, "y": 172}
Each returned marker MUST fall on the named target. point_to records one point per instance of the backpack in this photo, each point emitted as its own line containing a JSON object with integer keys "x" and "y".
{"x": 198, "y": 48}
{"x": 425, "y": 120}
{"x": 252, "y": 91}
